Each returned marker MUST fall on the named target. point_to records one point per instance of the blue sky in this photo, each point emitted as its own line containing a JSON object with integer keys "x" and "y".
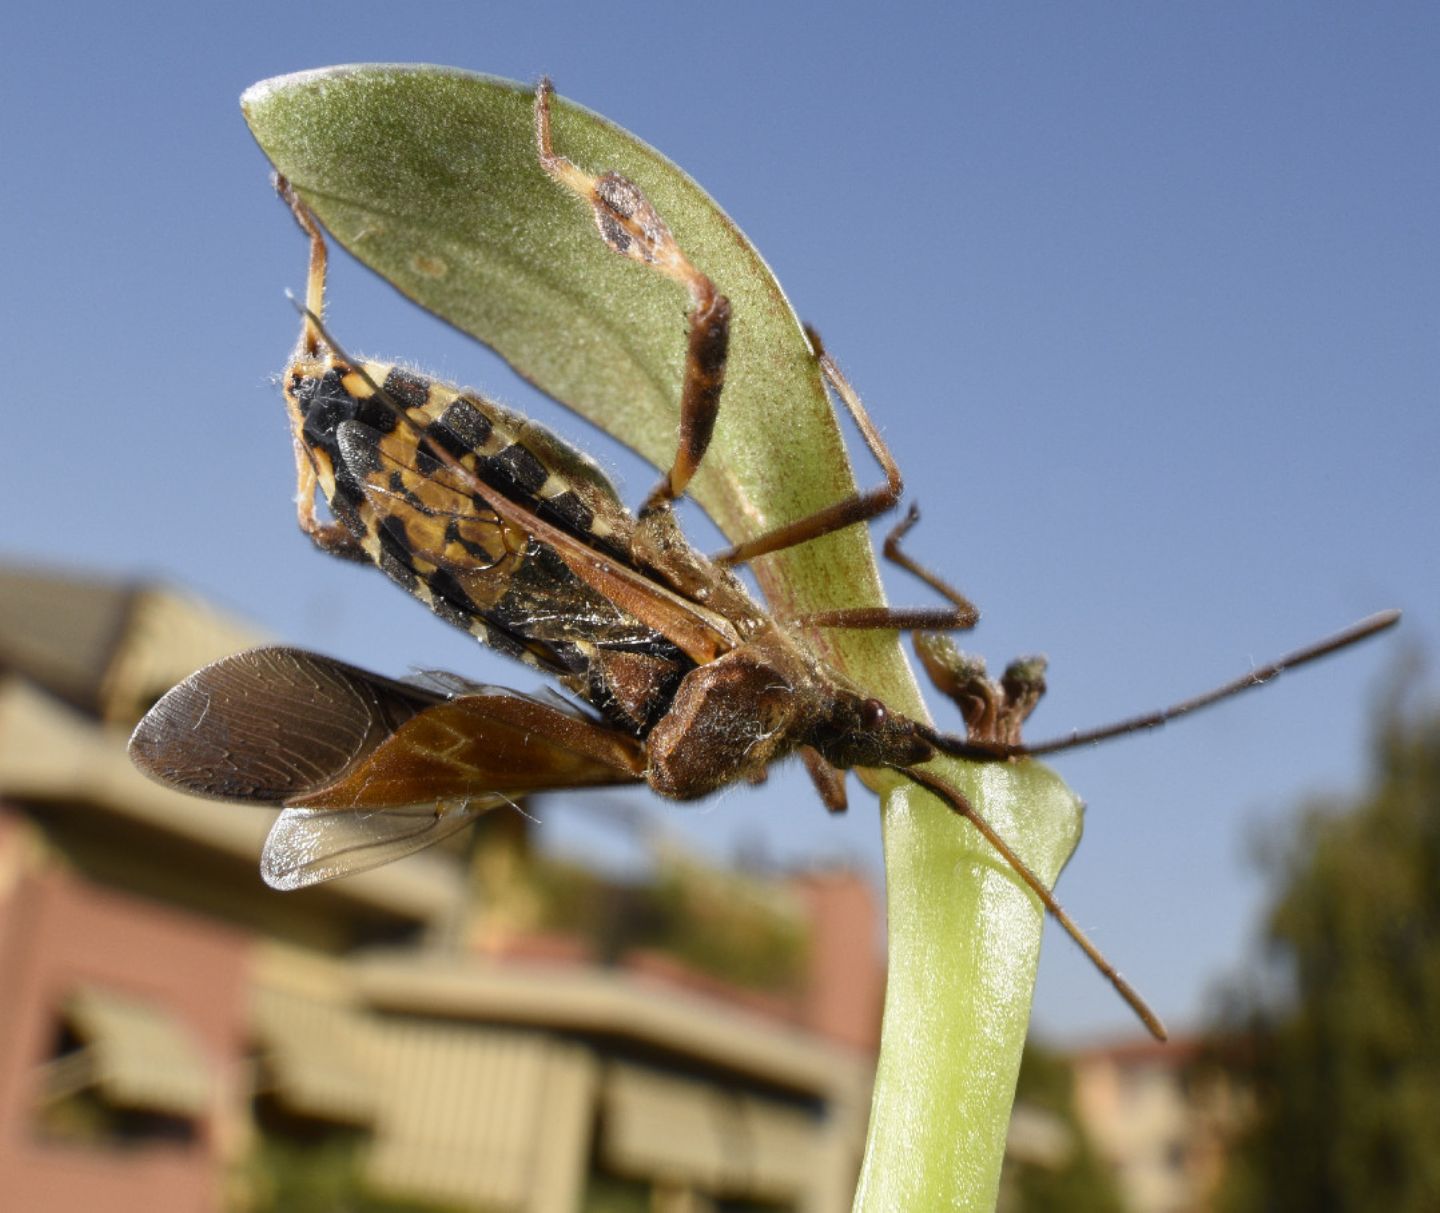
{"x": 1145, "y": 299}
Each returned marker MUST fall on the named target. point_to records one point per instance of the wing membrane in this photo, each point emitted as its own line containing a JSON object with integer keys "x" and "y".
{"x": 308, "y": 846}
{"x": 270, "y": 724}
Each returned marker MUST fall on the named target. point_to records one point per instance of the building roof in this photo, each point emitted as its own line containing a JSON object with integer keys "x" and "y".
{"x": 60, "y": 630}
{"x": 618, "y": 1005}
{"x": 106, "y": 646}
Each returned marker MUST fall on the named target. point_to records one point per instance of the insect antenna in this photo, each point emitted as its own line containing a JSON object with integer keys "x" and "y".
{"x": 962, "y": 747}
{"x": 965, "y": 809}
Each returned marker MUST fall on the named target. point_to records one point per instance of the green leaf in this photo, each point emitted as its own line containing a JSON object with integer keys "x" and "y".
{"x": 429, "y": 176}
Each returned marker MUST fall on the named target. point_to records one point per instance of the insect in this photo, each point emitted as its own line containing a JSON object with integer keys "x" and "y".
{"x": 679, "y": 678}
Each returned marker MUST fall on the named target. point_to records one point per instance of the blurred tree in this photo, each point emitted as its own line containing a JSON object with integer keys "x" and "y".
{"x": 1343, "y": 1050}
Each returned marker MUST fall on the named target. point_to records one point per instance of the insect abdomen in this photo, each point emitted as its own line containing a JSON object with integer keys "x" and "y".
{"x": 426, "y": 527}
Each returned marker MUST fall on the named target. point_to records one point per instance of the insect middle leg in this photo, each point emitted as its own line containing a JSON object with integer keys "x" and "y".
{"x": 857, "y": 509}
{"x": 959, "y": 617}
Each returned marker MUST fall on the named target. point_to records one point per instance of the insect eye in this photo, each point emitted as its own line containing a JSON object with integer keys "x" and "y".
{"x": 872, "y": 714}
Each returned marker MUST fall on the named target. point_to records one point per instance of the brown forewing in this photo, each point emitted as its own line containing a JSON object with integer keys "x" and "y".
{"x": 486, "y": 742}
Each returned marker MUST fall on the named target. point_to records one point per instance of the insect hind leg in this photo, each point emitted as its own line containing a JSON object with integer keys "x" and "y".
{"x": 854, "y": 510}
{"x": 632, "y": 227}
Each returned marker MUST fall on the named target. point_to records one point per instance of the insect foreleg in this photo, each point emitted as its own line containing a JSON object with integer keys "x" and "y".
{"x": 829, "y": 781}
{"x": 331, "y": 537}
{"x": 963, "y": 807}
{"x": 314, "y": 311}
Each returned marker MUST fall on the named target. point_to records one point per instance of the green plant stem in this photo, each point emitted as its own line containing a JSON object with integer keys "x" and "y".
{"x": 964, "y": 939}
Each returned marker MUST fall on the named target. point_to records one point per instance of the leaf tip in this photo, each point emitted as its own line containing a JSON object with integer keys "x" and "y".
{"x": 263, "y": 91}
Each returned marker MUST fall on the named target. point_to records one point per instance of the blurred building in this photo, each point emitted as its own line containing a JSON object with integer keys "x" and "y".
{"x": 472, "y": 1028}
{"x": 1161, "y": 1116}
